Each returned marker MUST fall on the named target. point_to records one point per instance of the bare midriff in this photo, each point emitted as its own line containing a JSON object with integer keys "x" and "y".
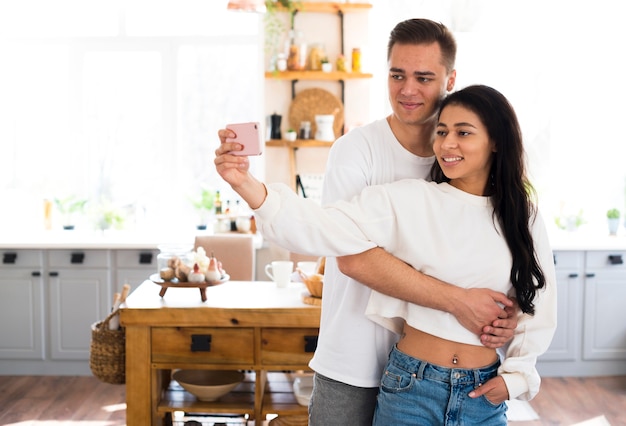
{"x": 445, "y": 353}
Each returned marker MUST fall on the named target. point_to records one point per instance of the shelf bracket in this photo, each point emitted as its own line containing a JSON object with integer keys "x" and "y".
{"x": 340, "y": 13}
{"x": 293, "y": 89}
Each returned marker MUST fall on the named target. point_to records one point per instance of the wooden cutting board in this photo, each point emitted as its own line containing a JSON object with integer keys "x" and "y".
{"x": 311, "y": 300}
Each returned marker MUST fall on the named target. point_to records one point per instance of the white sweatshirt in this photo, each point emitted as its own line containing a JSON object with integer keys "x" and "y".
{"x": 351, "y": 348}
{"x": 439, "y": 230}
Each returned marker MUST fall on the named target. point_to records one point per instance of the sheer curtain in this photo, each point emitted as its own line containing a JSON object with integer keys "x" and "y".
{"x": 119, "y": 102}
{"x": 557, "y": 62}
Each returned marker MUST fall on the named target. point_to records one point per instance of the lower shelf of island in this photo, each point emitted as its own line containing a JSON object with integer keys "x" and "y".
{"x": 278, "y": 398}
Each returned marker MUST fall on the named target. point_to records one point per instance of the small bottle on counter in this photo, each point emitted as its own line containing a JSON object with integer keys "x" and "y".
{"x": 218, "y": 203}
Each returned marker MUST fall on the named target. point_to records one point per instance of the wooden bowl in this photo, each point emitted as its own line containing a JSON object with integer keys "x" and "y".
{"x": 314, "y": 283}
{"x": 208, "y": 385}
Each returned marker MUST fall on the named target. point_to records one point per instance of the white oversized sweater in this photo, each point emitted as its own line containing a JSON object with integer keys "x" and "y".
{"x": 351, "y": 348}
{"x": 439, "y": 230}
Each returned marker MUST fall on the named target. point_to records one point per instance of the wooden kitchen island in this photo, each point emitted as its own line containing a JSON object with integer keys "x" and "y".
{"x": 250, "y": 326}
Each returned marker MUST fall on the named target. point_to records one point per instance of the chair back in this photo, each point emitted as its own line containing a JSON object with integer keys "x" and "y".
{"x": 235, "y": 251}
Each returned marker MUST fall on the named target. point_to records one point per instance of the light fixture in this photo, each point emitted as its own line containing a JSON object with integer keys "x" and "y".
{"x": 247, "y": 5}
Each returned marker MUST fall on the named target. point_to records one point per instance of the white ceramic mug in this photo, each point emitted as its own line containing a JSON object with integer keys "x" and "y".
{"x": 309, "y": 268}
{"x": 280, "y": 272}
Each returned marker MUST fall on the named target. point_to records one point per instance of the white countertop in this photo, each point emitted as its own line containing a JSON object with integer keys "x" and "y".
{"x": 560, "y": 240}
{"x": 99, "y": 240}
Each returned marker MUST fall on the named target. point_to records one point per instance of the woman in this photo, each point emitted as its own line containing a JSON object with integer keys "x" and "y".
{"x": 475, "y": 223}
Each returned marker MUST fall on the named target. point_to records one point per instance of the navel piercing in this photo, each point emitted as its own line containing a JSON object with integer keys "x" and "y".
{"x": 455, "y": 360}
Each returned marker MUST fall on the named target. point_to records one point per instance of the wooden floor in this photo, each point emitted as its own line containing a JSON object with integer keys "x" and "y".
{"x": 69, "y": 400}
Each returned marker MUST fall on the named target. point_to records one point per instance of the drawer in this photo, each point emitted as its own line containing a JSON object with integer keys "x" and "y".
{"x": 136, "y": 259}
{"x": 21, "y": 258}
{"x": 78, "y": 258}
{"x": 204, "y": 345}
{"x": 288, "y": 346}
{"x": 569, "y": 260}
{"x": 613, "y": 260}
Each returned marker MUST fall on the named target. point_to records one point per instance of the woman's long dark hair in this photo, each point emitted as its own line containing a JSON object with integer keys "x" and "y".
{"x": 510, "y": 191}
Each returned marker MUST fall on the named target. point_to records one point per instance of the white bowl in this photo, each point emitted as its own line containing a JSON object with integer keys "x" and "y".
{"x": 302, "y": 389}
{"x": 208, "y": 385}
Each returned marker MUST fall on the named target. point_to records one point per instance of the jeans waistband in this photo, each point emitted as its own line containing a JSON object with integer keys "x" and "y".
{"x": 422, "y": 369}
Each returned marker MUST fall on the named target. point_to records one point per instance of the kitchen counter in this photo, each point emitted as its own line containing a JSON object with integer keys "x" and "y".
{"x": 560, "y": 240}
{"x": 108, "y": 240}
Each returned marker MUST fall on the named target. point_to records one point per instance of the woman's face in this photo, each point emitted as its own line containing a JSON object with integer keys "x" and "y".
{"x": 463, "y": 149}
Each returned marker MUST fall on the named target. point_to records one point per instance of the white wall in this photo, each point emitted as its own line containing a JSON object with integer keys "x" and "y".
{"x": 557, "y": 61}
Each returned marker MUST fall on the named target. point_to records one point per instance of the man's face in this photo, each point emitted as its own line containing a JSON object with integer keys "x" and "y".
{"x": 417, "y": 82}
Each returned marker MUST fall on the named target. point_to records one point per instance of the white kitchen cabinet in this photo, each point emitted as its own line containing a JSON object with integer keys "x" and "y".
{"x": 79, "y": 295}
{"x": 604, "y": 336}
{"x": 133, "y": 267}
{"x": 590, "y": 339}
{"x": 21, "y": 305}
{"x": 570, "y": 267}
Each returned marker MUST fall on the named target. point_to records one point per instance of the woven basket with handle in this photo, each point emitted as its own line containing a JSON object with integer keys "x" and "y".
{"x": 107, "y": 358}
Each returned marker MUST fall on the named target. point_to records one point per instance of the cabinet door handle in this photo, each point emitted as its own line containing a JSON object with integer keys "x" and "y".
{"x": 573, "y": 275}
{"x": 616, "y": 259}
{"x": 145, "y": 258}
{"x": 36, "y": 273}
{"x": 201, "y": 343}
{"x": 310, "y": 343}
{"x": 9, "y": 258}
{"x": 77, "y": 258}
{"x": 54, "y": 274}
{"x": 590, "y": 275}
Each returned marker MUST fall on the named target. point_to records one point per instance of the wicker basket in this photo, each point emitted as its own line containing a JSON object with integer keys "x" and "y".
{"x": 107, "y": 358}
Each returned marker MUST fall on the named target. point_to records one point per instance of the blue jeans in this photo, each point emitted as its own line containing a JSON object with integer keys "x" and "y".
{"x": 414, "y": 392}
{"x": 335, "y": 403}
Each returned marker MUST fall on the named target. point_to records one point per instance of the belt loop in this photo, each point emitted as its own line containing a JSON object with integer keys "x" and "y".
{"x": 420, "y": 370}
{"x": 477, "y": 377}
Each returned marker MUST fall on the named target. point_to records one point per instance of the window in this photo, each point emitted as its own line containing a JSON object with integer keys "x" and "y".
{"x": 119, "y": 103}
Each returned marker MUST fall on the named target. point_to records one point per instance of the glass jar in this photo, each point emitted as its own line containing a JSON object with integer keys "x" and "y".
{"x": 171, "y": 251}
{"x": 296, "y": 52}
{"x": 356, "y": 60}
{"x": 316, "y": 54}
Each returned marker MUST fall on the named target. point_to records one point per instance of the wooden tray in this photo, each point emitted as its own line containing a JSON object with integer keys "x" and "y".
{"x": 155, "y": 278}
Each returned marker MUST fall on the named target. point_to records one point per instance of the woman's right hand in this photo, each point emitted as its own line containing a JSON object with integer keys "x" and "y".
{"x": 234, "y": 169}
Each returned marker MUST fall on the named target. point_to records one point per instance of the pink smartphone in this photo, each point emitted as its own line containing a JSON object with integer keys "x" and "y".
{"x": 249, "y": 135}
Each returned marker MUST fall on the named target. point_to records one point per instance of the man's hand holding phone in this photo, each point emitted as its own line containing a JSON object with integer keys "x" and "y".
{"x": 248, "y": 135}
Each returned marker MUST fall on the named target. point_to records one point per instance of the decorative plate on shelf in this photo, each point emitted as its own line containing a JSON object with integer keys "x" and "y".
{"x": 311, "y": 102}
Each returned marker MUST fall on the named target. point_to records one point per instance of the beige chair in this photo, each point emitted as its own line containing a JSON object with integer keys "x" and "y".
{"x": 235, "y": 251}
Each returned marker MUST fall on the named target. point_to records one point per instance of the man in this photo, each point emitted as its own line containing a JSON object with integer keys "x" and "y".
{"x": 352, "y": 350}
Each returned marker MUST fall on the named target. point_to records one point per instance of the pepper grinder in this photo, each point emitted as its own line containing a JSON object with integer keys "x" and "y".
{"x": 275, "y": 120}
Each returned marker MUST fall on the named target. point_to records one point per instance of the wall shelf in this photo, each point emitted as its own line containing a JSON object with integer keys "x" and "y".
{"x": 294, "y": 76}
{"x": 331, "y": 7}
{"x": 316, "y": 75}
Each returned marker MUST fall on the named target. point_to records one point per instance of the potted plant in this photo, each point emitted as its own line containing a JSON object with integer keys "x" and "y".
{"x": 275, "y": 28}
{"x": 68, "y": 207}
{"x": 326, "y": 65}
{"x": 613, "y": 216}
{"x": 291, "y": 135}
{"x": 204, "y": 206}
